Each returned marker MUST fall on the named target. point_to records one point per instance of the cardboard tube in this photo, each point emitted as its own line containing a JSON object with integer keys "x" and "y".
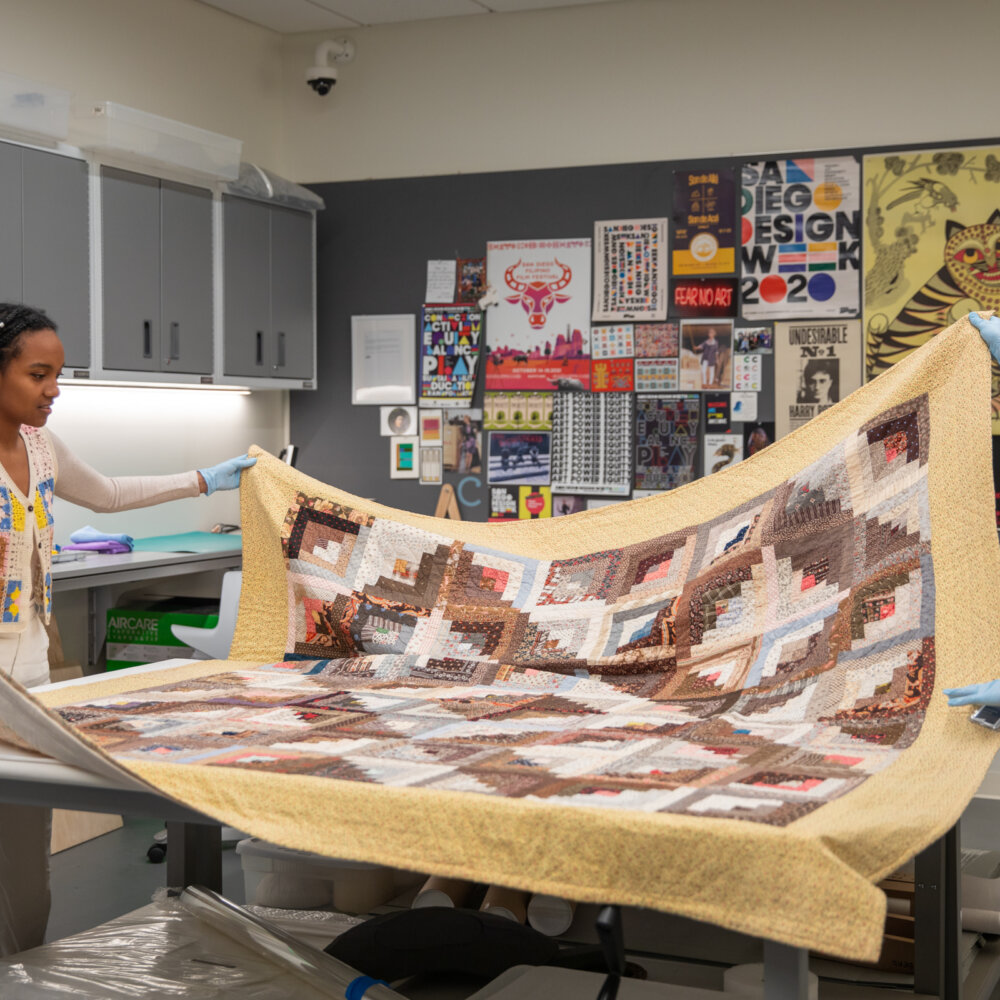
{"x": 437, "y": 891}
{"x": 550, "y": 914}
{"x": 509, "y": 903}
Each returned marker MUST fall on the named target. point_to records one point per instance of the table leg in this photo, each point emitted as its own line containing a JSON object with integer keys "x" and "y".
{"x": 786, "y": 972}
{"x": 194, "y": 855}
{"x": 937, "y": 926}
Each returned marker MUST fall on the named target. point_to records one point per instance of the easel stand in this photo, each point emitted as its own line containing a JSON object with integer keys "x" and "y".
{"x": 447, "y": 505}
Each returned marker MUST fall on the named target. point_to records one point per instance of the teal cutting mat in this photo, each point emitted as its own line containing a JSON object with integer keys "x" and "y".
{"x": 190, "y": 541}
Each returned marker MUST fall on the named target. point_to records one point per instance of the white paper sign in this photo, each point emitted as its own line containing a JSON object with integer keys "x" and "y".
{"x": 383, "y": 359}
{"x": 440, "y": 281}
{"x": 744, "y": 406}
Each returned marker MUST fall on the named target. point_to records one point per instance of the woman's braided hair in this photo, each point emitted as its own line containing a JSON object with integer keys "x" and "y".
{"x": 16, "y": 320}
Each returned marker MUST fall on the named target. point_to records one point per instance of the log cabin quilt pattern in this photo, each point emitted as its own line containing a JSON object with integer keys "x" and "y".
{"x": 722, "y": 702}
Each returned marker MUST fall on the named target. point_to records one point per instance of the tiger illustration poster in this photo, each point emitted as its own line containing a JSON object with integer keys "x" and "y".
{"x": 931, "y": 248}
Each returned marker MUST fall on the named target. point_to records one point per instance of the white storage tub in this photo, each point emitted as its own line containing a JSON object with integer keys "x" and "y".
{"x": 278, "y": 876}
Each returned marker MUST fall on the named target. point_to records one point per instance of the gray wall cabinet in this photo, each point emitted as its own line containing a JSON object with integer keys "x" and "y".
{"x": 268, "y": 280}
{"x": 45, "y": 241}
{"x": 156, "y": 239}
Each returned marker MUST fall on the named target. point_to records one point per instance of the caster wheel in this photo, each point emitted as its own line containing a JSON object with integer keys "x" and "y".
{"x": 157, "y": 853}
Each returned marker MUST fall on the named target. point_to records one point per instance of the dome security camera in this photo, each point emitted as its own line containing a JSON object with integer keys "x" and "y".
{"x": 323, "y": 76}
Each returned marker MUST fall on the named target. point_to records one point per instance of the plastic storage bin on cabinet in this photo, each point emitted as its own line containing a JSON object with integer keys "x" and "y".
{"x": 279, "y": 876}
{"x": 151, "y": 139}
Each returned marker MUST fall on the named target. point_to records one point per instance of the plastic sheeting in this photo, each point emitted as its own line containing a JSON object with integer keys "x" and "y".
{"x": 160, "y": 952}
{"x": 257, "y": 182}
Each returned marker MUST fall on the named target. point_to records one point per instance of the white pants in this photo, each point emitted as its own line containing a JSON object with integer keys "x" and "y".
{"x": 25, "y": 831}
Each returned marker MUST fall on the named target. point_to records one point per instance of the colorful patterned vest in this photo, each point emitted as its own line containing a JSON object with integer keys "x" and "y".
{"x": 16, "y": 537}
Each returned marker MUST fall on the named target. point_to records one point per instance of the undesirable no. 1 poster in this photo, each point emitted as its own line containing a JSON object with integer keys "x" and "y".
{"x": 801, "y": 236}
{"x": 538, "y": 335}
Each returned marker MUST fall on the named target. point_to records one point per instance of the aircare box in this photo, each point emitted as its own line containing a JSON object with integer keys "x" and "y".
{"x": 140, "y": 632}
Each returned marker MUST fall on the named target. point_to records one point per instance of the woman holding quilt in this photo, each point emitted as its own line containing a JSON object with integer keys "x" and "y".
{"x": 35, "y": 466}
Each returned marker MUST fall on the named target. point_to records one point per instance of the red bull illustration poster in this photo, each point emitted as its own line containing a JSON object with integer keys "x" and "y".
{"x": 704, "y": 222}
{"x": 801, "y": 236}
{"x": 450, "y": 338}
{"x": 630, "y": 269}
{"x": 538, "y": 335}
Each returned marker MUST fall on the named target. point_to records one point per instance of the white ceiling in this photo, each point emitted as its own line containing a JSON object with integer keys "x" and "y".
{"x": 289, "y": 16}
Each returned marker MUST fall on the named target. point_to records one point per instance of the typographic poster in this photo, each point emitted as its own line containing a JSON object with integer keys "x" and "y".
{"x": 722, "y": 451}
{"x": 534, "y": 502}
{"x": 520, "y": 457}
{"x": 801, "y": 236}
{"x": 450, "y": 339}
{"x": 704, "y": 233}
{"x": 517, "y": 411}
{"x": 748, "y": 373}
{"x": 630, "y": 268}
{"x": 666, "y": 440}
{"x": 706, "y": 355}
{"x": 612, "y": 375}
{"x": 815, "y": 366}
{"x": 503, "y": 503}
{"x": 591, "y": 435}
{"x": 463, "y": 440}
{"x": 931, "y": 232}
{"x": 657, "y": 340}
{"x": 656, "y": 374}
{"x": 538, "y": 335}
{"x": 717, "y": 412}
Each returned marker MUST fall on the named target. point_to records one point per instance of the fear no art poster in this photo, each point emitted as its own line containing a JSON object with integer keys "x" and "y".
{"x": 450, "y": 337}
{"x": 538, "y": 336}
{"x": 801, "y": 235}
{"x": 931, "y": 248}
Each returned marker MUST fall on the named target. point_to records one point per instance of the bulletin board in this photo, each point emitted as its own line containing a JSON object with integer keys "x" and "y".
{"x": 375, "y": 238}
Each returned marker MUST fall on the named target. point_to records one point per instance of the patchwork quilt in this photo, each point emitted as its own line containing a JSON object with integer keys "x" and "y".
{"x": 722, "y": 702}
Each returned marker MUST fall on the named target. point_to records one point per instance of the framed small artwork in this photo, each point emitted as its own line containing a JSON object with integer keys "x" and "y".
{"x": 404, "y": 459}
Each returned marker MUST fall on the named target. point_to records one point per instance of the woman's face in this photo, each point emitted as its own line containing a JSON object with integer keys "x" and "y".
{"x": 28, "y": 383}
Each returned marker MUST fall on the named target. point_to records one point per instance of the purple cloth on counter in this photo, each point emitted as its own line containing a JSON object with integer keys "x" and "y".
{"x": 109, "y": 546}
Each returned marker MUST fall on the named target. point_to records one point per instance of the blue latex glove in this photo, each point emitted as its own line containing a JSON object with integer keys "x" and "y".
{"x": 975, "y": 694}
{"x": 225, "y": 475}
{"x": 989, "y": 330}
{"x": 89, "y": 534}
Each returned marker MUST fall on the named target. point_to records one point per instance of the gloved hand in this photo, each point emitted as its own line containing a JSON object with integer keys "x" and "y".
{"x": 989, "y": 330}
{"x": 975, "y": 694}
{"x": 225, "y": 475}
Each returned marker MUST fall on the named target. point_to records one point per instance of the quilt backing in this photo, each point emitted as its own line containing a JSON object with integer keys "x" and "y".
{"x": 721, "y": 702}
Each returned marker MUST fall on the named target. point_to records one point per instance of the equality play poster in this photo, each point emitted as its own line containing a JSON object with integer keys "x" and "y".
{"x": 801, "y": 233}
{"x": 449, "y": 354}
{"x": 704, "y": 235}
{"x": 538, "y": 335}
{"x": 815, "y": 365}
{"x": 932, "y": 222}
{"x": 591, "y": 437}
{"x": 630, "y": 269}
{"x": 666, "y": 440}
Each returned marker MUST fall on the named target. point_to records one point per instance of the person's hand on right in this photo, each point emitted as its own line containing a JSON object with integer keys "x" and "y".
{"x": 989, "y": 330}
{"x": 987, "y": 693}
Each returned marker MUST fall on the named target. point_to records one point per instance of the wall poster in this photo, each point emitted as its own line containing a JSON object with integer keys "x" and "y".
{"x": 533, "y": 502}
{"x": 517, "y": 411}
{"x": 630, "y": 269}
{"x": 704, "y": 235}
{"x": 706, "y": 355}
{"x": 404, "y": 457}
{"x": 612, "y": 375}
{"x": 932, "y": 225}
{"x": 463, "y": 432}
{"x": 450, "y": 338}
{"x": 666, "y": 440}
{"x": 538, "y": 336}
{"x": 591, "y": 450}
{"x": 520, "y": 457}
{"x": 801, "y": 251}
{"x": 471, "y": 279}
{"x": 503, "y": 504}
{"x": 657, "y": 340}
{"x": 656, "y": 374}
{"x": 721, "y": 451}
{"x": 815, "y": 366}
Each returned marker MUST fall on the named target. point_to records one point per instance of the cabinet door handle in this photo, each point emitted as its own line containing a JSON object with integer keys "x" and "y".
{"x": 175, "y": 342}
{"x": 260, "y": 347}
{"x": 147, "y": 339}
{"x": 281, "y": 350}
